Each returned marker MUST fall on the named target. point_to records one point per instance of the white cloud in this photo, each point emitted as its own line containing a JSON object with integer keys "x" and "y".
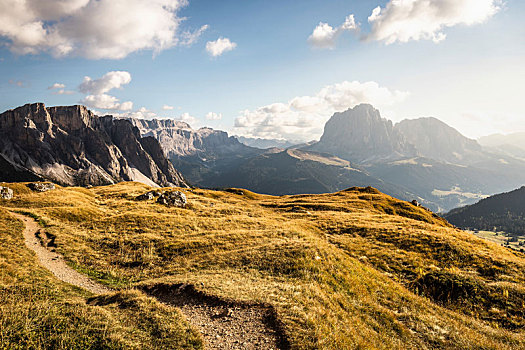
{"x": 104, "y": 101}
{"x": 214, "y": 116}
{"x": 63, "y": 92}
{"x": 303, "y": 118}
{"x": 406, "y": 20}
{"x": 325, "y": 36}
{"x": 109, "y": 81}
{"x": 98, "y": 88}
{"x": 56, "y": 86}
{"x": 93, "y": 28}
{"x": 188, "y": 118}
{"x": 141, "y": 113}
{"x": 59, "y": 89}
{"x": 167, "y": 108}
{"x": 189, "y": 38}
{"x": 220, "y": 46}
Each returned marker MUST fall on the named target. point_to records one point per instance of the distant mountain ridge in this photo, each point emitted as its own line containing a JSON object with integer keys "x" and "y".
{"x": 511, "y": 144}
{"x": 72, "y": 146}
{"x": 434, "y": 139}
{"x": 502, "y": 212}
{"x": 178, "y": 139}
{"x": 265, "y": 143}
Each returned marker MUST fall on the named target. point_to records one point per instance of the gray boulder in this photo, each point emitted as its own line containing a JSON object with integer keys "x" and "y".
{"x": 6, "y": 193}
{"x": 149, "y": 195}
{"x": 173, "y": 199}
{"x": 41, "y": 186}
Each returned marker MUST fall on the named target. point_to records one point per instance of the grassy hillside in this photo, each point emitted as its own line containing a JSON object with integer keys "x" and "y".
{"x": 353, "y": 269}
{"x": 37, "y": 311}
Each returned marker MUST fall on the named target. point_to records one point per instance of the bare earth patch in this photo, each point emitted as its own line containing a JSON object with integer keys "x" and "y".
{"x": 224, "y": 324}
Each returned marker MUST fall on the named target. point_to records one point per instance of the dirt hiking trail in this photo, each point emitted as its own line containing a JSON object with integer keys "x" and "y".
{"x": 224, "y": 324}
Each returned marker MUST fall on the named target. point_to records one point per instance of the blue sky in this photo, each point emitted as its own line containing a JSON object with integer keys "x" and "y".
{"x": 472, "y": 79}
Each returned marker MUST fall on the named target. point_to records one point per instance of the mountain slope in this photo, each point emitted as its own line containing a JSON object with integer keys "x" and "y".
{"x": 281, "y": 172}
{"x": 72, "y": 146}
{"x": 37, "y": 311}
{"x": 436, "y": 140}
{"x": 347, "y": 270}
{"x": 502, "y": 212}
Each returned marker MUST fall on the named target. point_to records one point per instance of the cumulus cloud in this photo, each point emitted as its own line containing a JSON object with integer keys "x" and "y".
{"x": 220, "y": 46}
{"x": 93, "y": 28}
{"x": 303, "y": 118}
{"x": 214, "y": 116}
{"x": 406, "y": 20}
{"x": 141, "y": 113}
{"x": 104, "y": 101}
{"x": 167, "y": 108}
{"x": 109, "y": 81}
{"x": 59, "y": 89}
{"x": 188, "y": 118}
{"x": 56, "y": 86}
{"x": 98, "y": 88}
{"x": 325, "y": 36}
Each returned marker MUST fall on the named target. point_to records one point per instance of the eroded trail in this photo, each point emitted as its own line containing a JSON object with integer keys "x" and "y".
{"x": 34, "y": 236}
{"x": 223, "y": 324}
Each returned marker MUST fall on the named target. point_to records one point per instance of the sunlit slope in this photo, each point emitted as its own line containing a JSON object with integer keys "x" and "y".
{"x": 39, "y": 312}
{"x": 353, "y": 269}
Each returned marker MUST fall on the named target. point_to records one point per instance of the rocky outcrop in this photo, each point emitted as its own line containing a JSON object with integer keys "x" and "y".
{"x": 41, "y": 186}
{"x": 6, "y": 193}
{"x": 361, "y": 135}
{"x": 169, "y": 198}
{"x": 72, "y": 146}
{"x": 149, "y": 195}
{"x": 173, "y": 199}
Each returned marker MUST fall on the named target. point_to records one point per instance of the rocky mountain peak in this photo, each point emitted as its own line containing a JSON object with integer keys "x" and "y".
{"x": 360, "y": 134}
{"x": 435, "y": 139}
{"x": 72, "y": 146}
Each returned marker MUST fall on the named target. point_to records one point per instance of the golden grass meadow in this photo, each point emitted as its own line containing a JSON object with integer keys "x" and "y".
{"x": 355, "y": 269}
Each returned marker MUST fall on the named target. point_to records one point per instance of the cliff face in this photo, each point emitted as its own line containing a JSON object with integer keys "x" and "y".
{"x": 179, "y": 140}
{"x": 72, "y": 146}
{"x": 361, "y": 135}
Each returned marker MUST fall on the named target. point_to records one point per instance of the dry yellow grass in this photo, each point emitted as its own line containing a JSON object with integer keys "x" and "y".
{"x": 39, "y": 312}
{"x": 354, "y": 269}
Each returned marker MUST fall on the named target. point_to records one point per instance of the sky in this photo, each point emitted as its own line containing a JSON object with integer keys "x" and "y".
{"x": 270, "y": 68}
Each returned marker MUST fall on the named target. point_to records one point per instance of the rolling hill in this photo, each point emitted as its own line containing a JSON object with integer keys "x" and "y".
{"x": 345, "y": 270}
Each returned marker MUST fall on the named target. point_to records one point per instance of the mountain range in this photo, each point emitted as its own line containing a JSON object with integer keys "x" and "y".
{"x": 72, "y": 146}
{"x": 422, "y": 159}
